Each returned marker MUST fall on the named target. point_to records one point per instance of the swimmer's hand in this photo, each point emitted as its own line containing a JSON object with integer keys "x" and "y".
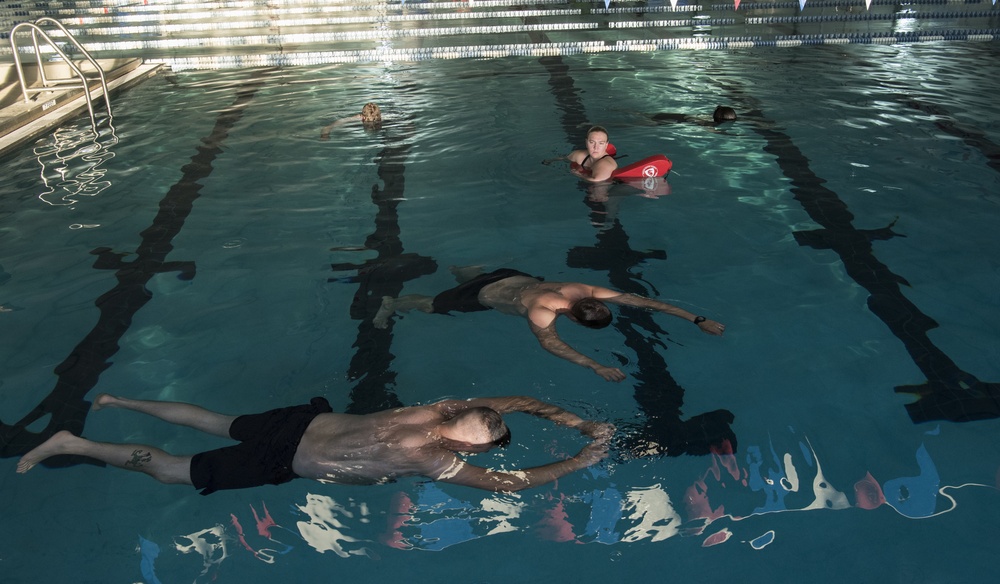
{"x": 610, "y": 373}
{"x": 710, "y": 327}
{"x": 593, "y": 453}
{"x": 596, "y": 430}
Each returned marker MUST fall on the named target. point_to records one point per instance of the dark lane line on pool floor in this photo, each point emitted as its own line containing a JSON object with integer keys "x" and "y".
{"x": 80, "y": 371}
{"x": 949, "y": 392}
{"x": 381, "y": 276}
{"x": 658, "y": 395}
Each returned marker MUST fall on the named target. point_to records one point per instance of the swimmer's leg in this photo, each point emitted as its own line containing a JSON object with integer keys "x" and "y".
{"x": 184, "y": 414}
{"x": 466, "y": 273}
{"x": 154, "y": 462}
{"x": 407, "y": 303}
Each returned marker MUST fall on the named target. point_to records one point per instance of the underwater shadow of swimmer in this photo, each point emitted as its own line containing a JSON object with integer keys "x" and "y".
{"x": 658, "y": 395}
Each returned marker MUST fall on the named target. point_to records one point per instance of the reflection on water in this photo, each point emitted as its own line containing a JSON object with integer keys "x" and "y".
{"x": 71, "y": 160}
{"x": 326, "y": 525}
{"x": 713, "y": 508}
{"x": 211, "y": 544}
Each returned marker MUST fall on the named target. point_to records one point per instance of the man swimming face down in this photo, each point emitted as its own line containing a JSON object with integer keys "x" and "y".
{"x": 591, "y": 313}
{"x": 475, "y": 430}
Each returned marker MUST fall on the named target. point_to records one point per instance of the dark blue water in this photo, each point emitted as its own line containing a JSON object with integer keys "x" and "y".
{"x": 215, "y": 250}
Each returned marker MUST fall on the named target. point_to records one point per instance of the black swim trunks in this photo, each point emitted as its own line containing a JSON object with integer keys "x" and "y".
{"x": 268, "y": 442}
{"x": 465, "y": 296}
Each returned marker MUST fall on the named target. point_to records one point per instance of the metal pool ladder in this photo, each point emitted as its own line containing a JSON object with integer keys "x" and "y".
{"x": 78, "y": 80}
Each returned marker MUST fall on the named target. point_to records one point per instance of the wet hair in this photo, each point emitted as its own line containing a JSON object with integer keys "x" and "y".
{"x": 591, "y": 313}
{"x": 371, "y": 113}
{"x": 598, "y": 129}
{"x": 371, "y": 117}
{"x": 498, "y": 431}
{"x": 724, "y": 114}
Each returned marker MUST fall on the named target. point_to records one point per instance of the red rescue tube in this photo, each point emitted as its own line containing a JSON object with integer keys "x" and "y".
{"x": 651, "y": 166}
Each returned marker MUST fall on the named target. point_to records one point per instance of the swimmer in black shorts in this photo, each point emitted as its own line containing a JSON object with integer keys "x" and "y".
{"x": 311, "y": 441}
{"x": 519, "y": 294}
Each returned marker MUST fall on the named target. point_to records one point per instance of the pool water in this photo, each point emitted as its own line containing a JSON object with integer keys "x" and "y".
{"x": 214, "y": 249}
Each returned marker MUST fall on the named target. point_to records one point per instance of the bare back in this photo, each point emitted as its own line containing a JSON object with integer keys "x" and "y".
{"x": 374, "y": 448}
{"x": 534, "y": 299}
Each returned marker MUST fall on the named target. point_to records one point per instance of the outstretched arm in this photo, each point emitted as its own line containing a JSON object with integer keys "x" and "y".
{"x": 516, "y": 403}
{"x": 550, "y": 341}
{"x": 324, "y": 134}
{"x": 706, "y": 325}
{"x": 531, "y": 406}
{"x": 453, "y": 469}
{"x": 463, "y": 473}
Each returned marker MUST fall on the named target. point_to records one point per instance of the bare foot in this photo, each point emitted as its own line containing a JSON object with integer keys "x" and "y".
{"x": 102, "y": 400}
{"x": 387, "y": 309}
{"x": 58, "y": 443}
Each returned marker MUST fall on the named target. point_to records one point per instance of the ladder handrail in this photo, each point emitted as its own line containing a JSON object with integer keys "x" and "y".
{"x": 37, "y": 30}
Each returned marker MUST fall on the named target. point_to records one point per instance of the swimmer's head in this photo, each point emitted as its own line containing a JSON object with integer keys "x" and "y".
{"x": 371, "y": 115}
{"x": 597, "y": 141}
{"x": 597, "y": 130}
{"x": 477, "y": 430}
{"x": 591, "y": 313}
{"x": 724, "y": 114}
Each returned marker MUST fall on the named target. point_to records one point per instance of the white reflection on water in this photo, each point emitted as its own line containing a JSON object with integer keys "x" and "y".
{"x": 656, "y": 518}
{"x": 326, "y": 527}
{"x": 71, "y": 163}
{"x": 211, "y": 544}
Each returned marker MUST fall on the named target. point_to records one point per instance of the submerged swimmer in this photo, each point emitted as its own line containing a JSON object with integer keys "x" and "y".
{"x": 310, "y": 441}
{"x": 516, "y": 293}
{"x": 721, "y": 115}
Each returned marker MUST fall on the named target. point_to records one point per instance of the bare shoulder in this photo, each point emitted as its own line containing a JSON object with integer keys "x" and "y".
{"x": 606, "y": 162}
{"x": 572, "y": 291}
{"x": 421, "y": 414}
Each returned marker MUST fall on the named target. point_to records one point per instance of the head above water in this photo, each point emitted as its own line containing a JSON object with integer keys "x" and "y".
{"x": 597, "y": 141}
{"x": 371, "y": 115}
{"x": 591, "y": 313}
{"x": 597, "y": 134}
{"x": 724, "y": 114}
{"x": 476, "y": 430}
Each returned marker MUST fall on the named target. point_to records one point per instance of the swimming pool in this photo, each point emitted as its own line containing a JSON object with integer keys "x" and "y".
{"x": 215, "y": 250}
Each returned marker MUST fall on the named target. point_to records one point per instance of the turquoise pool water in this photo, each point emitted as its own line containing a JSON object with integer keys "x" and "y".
{"x": 215, "y": 250}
